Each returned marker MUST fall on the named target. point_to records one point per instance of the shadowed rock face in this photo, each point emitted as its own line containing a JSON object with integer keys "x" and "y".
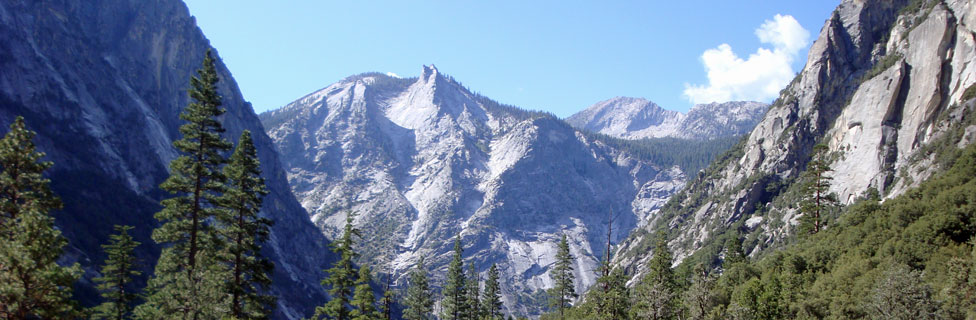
{"x": 878, "y": 86}
{"x": 635, "y": 118}
{"x": 421, "y": 160}
{"x": 103, "y": 82}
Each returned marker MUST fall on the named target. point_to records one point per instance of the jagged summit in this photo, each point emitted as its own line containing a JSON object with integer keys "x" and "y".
{"x": 422, "y": 160}
{"x": 637, "y": 118}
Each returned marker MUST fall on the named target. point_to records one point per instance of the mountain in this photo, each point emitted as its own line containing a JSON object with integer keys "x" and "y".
{"x": 419, "y": 161}
{"x": 887, "y": 87}
{"x": 636, "y": 118}
{"x": 103, "y": 83}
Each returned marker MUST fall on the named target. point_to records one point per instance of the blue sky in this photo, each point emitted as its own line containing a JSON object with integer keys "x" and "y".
{"x": 558, "y": 56}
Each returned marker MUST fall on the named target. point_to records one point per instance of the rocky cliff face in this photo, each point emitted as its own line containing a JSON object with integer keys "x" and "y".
{"x": 103, "y": 83}
{"x": 636, "y": 118}
{"x": 883, "y": 88}
{"x": 422, "y": 160}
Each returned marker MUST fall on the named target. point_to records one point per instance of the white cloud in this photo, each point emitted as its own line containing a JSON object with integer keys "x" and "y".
{"x": 393, "y": 74}
{"x": 759, "y": 77}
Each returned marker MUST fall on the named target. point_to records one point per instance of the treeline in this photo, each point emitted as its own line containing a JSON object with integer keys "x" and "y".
{"x": 464, "y": 295}
{"x": 690, "y": 155}
{"x": 210, "y": 232}
{"x": 910, "y": 257}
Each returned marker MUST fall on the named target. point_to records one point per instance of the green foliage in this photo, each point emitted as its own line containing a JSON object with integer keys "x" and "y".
{"x": 117, "y": 273}
{"x": 188, "y": 276}
{"x": 454, "y": 306}
{"x": 902, "y": 294}
{"x": 243, "y": 231}
{"x": 960, "y": 289}
{"x": 699, "y": 298}
{"x": 656, "y": 296}
{"x": 32, "y": 284}
{"x": 419, "y": 302}
{"x": 874, "y": 256}
{"x": 611, "y": 296}
{"x": 970, "y": 93}
{"x": 563, "y": 291}
{"x": 491, "y": 301}
{"x": 473, "y": 299}
{"x": 689, "y": 155}
{"x": 882, "y": 65}
{"x": 363, "y": 300}
{"x": 342, "y": 276}
{"x": 387, "y": 302}
{"x": 817, "y": 198}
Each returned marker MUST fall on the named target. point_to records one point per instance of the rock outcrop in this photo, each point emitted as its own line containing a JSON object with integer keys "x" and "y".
{"x": 883, "y": 88}
{"x": 422, "y": 160}
{"x": 103, "y": 83}
{"x": 635, "y": 118}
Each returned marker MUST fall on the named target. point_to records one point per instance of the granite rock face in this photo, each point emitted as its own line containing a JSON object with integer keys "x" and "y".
{"x": 635, "y": 118}
{"x": 103, "y": 83}
{"x": 422, "y": 160}
{"x": 880, "y": 85}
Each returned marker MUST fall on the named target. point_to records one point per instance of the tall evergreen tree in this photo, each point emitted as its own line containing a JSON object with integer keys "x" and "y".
{"x": 656, "y": 295}
{"x": 244, "y": 231}
{"x": 817, "y": 197}
{"x": 563, "y": 291}
{"x": 491, "y": 301}
{"x": 363, "y": 300}
{"x": 419, "y": 302}
{"x": 116, "y": 280}
{"x": 386, "y": 304}
{"x": 188, "y": 276}
{"x": 473, "y": 289}
{"x": 454, "y": 306}
{"x": 612, "y": 298}
{"x": 32, "y": 284}
{"x": 342, "y": 276}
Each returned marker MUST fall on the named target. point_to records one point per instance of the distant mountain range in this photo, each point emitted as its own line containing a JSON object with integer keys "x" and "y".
{"x": 421, "y": 160}
{"x": 637, "y": 118}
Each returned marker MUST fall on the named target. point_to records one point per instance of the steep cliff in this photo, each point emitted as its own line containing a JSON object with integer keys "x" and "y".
{"x": 103, "y": 83}
{"x": 421, "y": 160}
{"x": 885, "y": 88}
{"x": 635, "y": 118}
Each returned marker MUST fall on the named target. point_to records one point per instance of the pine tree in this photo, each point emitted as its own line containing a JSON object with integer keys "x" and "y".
{"x": 612, "y": 298}
{"x": 116, "y": 279}
{"x": 491, "y": 301}
{"x": 187, "y": 279}
{"x": 454, "y": 305}
{"x": 563, "y": 291}
{"x": 473, "y": 289}
{"x": 386, "y": 304}
{"x": 817, "y": 197}
{"x": 656, "y": 295}
{"x": 698, "y": 297}
{"x": 419, "y": 304}
{"x": 363, "y": 300}
{"x": 244, "y": 231}
{"x": 342, "y": 277}
{"x": 32, "y": 284}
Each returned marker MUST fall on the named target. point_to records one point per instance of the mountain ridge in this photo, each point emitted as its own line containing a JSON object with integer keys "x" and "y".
{"x": 424, "y": 159}
{"x": 637, "y": 118}
{"x": 102, "y": 83}
{"x": 884, "y": 85}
